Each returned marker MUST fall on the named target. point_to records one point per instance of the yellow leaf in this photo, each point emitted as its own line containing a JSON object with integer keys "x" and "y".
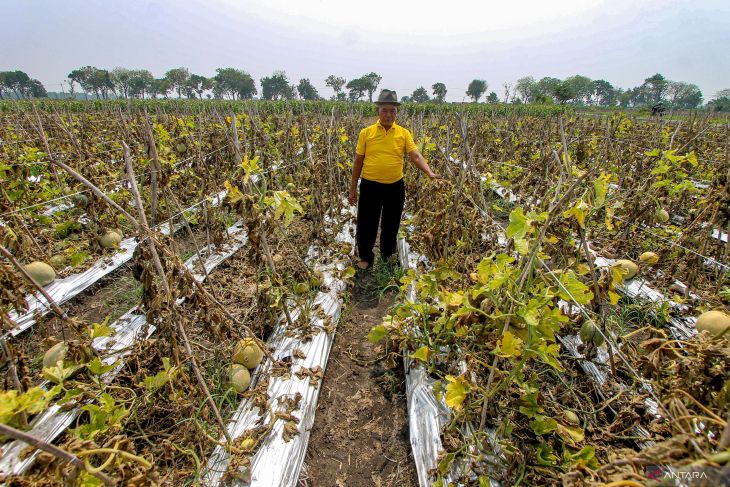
{"x": 421, "y": 354}
{"x": 456, "y": 391}
{"x": 509, "y": 346}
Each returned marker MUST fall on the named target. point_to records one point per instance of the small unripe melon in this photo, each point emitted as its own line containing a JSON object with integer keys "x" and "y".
{"x": 181, "y": 148}
{"x": 661, "y": 215}
{"x": 110, "y": 240}
{"x": 240, "y": 380}
{"x": 571, "y": 418}
{"x": 55, "y": 354}
{"x": 41, "y": 272}
{"x": 715, "y": 322}
{"x": 301, "y": 288}
{"x": 590, "y": 334}
{"x": 247, "y": 353}
{"x": 649, "y": 258}
{"x": 290, "y": 187}
{"x": 58, "y": 261}
{"x": 628, "y": 268}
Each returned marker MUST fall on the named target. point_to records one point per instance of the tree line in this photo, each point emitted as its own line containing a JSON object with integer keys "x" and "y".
{"x": 235, "y": 84}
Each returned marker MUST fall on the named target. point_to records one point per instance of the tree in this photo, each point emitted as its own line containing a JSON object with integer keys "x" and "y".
{"x": 142, "y": 82}
{"x": 336, "y": 83}
{"x": 357, "y": 87}
{"x": 546, "y": 89}
{"x": 526, "y": 88}
{"x": 721, "y": 103}
{"x": 306, "y": 90}
{"x": 15, "y": 81}
{"x": 604, "y": 92}
{"x": 683, "y": 95}
{"x": 373, "y": 80}
{"x": 161, "y": 87}
{"x": 507, "y": 89}
{"x": 92, "y": 80}
{"x": 232, "y": 82}
{"x": 178, "y": 77}
{"x": 35, "y": 89}
{"x": 276, "y": 87}
{"x": 581, "y": 88}
{"x": 476, "y": 89}
{"x": 420, "y": 95}
{"x": 492, "y": 98}
{"x": 405, "y": 99}
{"x": 197, "y": 84}
{"x": 439, "y": 91}
{"x": 564, "y": 92}
{"x": 656, "y": 87}
{"x": 121, "y": 78}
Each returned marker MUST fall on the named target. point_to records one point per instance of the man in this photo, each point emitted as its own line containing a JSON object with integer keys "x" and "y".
{"x": 379, "y": 160}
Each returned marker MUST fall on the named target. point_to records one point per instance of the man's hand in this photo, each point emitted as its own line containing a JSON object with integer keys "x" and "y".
{"x": 352, "y": 198}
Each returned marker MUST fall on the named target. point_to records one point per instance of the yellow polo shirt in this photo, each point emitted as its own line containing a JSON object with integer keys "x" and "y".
{"x": 384, "y": 151}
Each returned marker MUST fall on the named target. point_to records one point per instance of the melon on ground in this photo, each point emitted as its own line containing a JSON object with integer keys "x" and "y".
{"x": 247, "y": 353}
{"x": 661, "y": 215}
{"x": 110, "y": 240}
{"x": 649, "y": 258}
{"x": 41, "y": 272}
{"x": 628, "y": 268}
{"x": 58, "y": 261}
{"x": 716, "y": 322}
{"x": 240, "y": 378}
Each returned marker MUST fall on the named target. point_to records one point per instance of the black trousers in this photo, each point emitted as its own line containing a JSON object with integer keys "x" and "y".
{"x": 376, "y": 199}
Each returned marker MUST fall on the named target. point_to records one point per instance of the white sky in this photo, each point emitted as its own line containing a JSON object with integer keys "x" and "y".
{"x": 409, "y": 43}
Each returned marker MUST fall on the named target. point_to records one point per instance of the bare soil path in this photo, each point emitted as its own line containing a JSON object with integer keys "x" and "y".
{"x": 360, "y": 434}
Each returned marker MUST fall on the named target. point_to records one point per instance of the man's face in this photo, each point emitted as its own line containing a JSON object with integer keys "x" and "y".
{"x": 386, "y": 113}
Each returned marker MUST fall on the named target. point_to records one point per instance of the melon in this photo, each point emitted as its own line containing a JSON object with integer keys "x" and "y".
{"x": 247, "y": 353}
{"x": 278, "y": 259}
{"x": 110, "y": 240}
{"x": 290, "y": 187}
{"x": 181, "y": 148}
{"x": 661, "y": 215}
{"x": 649, "y": 258}
{"x": 41, "y": 272}
{"x": 571, "y": 418}
{"x": 55, "y": 354}
{"x": 590, "y": 334}
{"x": 628, "y": 268}
{"x": 80, "y": 200}
{"x": 301, "y": 288}
{"x": 716, "y": 322}
{"x": 58, "y": 261}
{"x": 240, "y": 380}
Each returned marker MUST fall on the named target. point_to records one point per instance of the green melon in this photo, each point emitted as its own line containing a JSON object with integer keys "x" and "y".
{"x": 110, "y": 240}
{"x": 247, "y": 353}
{"x": 716, "y": 322}
{"x": 41, "y": 272}
{"x": 301, "y": 288}
{"x": 590, "y": 334}
{"x": 661, "y": 215}
{"x": 649, "y": 258}
{"x": 55, "y": 354}
{"x": 58, "y": 261}
{"x": 628, "y": 268}
{"x": 240, "y": 379}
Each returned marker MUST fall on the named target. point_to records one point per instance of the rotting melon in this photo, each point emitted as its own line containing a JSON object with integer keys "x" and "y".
{"x": 247, "y": 353}
{"x": 55, "y": 354}
{"x": 628, "y": 268}
{"x": 110, "y": 240}
{"x": 661, "y": 215}
{"x": 58, "y": 261}
{"x": 240, "y": 379}
{"x": 716, "y": 322}
{"x": 649, "y": 258}
{"x": 41, "y": 272}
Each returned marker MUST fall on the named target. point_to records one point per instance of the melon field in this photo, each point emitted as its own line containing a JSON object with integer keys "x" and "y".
{"x": 179, "y": 304}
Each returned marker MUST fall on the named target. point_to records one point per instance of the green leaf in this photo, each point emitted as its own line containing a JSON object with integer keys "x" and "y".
{"x": 509, "y": 346}
{"x": 543, "y": 425}
{"x": 102, "y": 329}
{"x": 421, "y": 354}
{"x": 284, "y": 204}
{"x": 377, "y": 333}
{"x": 585, "y": 457}
{"x": 518, "y": 224}
{"x": 572, "y": 289}
{"x": 545, "y": 456}
{"x": 59, "y": 373}
{"x": 97, "y": 367}
{"x": 456, "y": 391}
{"x": 349, "y": 272}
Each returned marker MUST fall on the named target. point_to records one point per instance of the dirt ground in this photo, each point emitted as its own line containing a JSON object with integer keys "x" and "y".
{"x": 360, "y": 434}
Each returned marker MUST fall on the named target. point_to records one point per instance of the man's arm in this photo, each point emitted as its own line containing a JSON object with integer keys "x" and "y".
{"x": 356, "y": 171}
{"x": 420, "y": 162}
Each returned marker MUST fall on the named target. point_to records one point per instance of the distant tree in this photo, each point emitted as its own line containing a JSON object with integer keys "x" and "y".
{"x": 178, "y": 77}
{"x": 92, "y": 80}
{"x": 76, "y": 76}
{"x": 233, "y": 82}
{"x": 373, "y": 80}
{"x": 336, "y": 83}
{"x": 439, "y": 91}
{"x": 476, "y": 89}
{"x": 196, "y": 85}
{"x": 656, "y": 88}
{"x": 141, "y": 82}
{"x": 121, "y": 78}
{"x": 604, "y": 93}
{"x": 307, "y": 90}
{"x": 581, "y": 88}
{"x": 507, "y": 87}
{"x": 35, "y": 89}
{"x": 721, "y": 102}
{"x": 15, "y": 81}
{"x": 683, "y": 95}
{"x": 160, "y": 87}
{"x": 420, "y": 95}
{"x": 526, "y": 88}
{"x": 625, "y": 98}
{"x": 564, "y": 92}
{"x": 546, "y": 88}
{"x": 492, "y": 98}
{"x": 358, "y": 87}
{"x": 276, "y": 86}
{"x": 405, "y": 99}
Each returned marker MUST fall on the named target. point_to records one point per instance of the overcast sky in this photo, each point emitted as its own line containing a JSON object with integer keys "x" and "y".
{"x": 410, "y": 43}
